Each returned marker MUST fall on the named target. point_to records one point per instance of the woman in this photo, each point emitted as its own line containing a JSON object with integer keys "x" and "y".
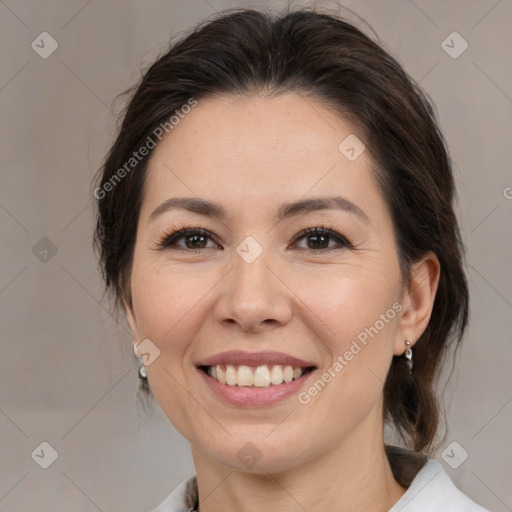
{"x": 275, "y": 218}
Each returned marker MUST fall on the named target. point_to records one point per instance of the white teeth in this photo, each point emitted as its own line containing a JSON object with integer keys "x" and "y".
{"x": 260, "y": 376}
{"x": 288, "y": 374}
{"x": 276, "y": 375}
{"x": 221, "y": 376}
{"x": 230, "y": 375}
{"x": 244, "y": 376}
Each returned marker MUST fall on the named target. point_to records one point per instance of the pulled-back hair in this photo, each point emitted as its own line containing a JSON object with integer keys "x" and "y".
{"x": 323, "y": 57}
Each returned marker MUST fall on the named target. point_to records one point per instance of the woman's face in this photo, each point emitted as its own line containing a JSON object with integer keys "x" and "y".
{"x": 249, "y": 283}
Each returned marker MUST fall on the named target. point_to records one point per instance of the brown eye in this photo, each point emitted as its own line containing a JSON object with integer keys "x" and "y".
{"x": 318, "y": 239}
{"x": 194, "y": 239}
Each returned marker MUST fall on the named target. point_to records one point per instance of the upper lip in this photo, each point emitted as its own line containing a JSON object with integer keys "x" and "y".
{"x": 237, "y": 357}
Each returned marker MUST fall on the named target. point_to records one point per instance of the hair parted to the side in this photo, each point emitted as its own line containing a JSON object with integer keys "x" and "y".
{"x": 326, "y": 58}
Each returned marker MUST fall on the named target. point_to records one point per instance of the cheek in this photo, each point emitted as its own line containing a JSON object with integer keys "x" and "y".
{"x": 166, "y": 300}
{"x": 354, "y": 317}
{"x": 346, "y": 301}
{"x": 168, "y": 305}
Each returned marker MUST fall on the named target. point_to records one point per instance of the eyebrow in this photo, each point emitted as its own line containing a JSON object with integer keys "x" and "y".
{"x": 287, "y": 210}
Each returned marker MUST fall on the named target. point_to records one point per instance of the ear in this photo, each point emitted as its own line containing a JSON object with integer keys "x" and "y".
{"x": 418, "y": 301}
{"x": 132, "y": 322}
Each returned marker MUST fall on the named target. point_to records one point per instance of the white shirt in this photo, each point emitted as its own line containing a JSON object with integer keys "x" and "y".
{"x": 430, "y": 491}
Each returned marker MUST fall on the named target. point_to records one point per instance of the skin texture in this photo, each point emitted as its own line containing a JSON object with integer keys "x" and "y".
{"x": 250, "y": 155}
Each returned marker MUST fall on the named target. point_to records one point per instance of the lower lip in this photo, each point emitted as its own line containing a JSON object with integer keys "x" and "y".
{"x": 252, "y": 396}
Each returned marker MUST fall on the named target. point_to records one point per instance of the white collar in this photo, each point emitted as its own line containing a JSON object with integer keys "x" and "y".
{"x": 432, "y": 490}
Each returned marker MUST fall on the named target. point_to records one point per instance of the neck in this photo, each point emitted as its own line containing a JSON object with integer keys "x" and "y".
{"x": 354, "y": 476}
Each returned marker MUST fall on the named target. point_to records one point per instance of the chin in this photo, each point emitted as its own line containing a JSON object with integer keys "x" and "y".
{"x": 254, "y": 454}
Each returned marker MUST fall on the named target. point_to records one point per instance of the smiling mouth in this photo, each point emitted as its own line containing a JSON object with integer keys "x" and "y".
{"x": 255, "y": 376}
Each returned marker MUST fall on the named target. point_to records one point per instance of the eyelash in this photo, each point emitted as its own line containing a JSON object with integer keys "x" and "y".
{"x": 168, "y": 241}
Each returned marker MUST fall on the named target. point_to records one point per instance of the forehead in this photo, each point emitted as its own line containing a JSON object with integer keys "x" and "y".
{"x": 263, "y": 149}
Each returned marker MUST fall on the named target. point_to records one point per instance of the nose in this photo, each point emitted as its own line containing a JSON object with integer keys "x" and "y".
{"x": 254, "y": 296}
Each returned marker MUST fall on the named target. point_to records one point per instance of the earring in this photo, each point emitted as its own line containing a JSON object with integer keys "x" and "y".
{"x": 143, "y": 375}
{"x": 408, "y": 355}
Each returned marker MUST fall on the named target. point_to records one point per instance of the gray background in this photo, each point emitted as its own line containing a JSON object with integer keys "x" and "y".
{"x": 68, "y": 376}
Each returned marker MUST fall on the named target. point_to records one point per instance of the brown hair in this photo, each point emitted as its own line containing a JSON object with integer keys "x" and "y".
{"x": 323, "y": 57}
